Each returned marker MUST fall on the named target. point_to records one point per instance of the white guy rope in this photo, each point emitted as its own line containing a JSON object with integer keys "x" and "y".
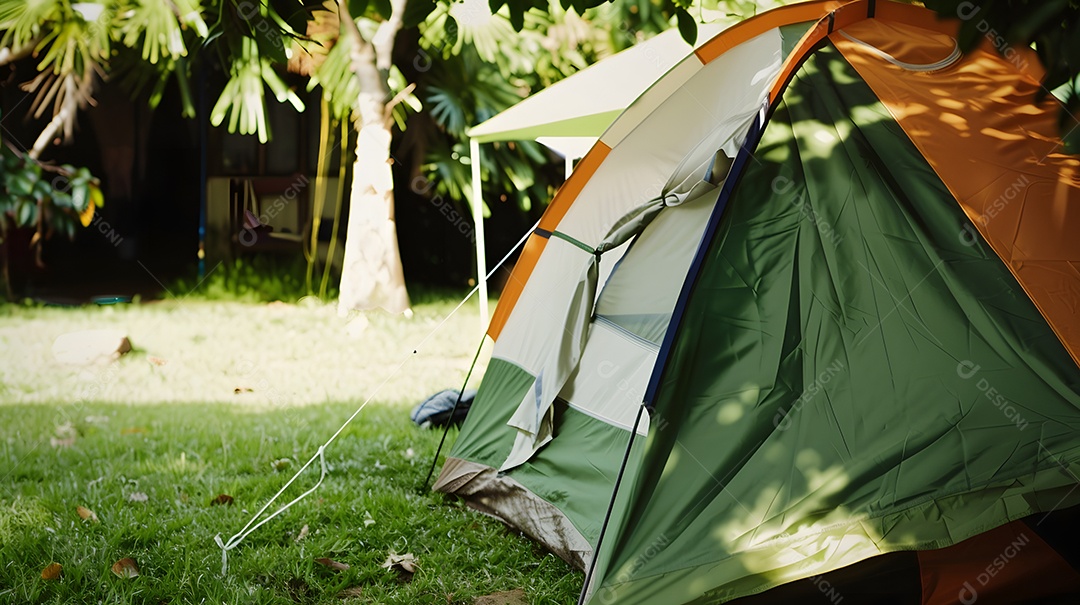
{"x": 251, "y": 525}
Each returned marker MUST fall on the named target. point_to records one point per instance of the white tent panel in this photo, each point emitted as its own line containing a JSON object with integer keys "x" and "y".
{"x": 609, "y": 383}
{"x": 640, "y": 296}
{"x": 653, "y": 156}
{"x": 559, "y": 270}
{"x": 632, "y": 314}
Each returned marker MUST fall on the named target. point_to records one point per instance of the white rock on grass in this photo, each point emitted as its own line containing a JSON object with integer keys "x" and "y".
{"x": 87, "y": 347}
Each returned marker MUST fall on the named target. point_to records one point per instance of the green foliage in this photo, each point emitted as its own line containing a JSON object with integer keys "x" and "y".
{"x": 145, "y": 44}
{"x": 44, "y": 197}
{"x": 474, "y": 69}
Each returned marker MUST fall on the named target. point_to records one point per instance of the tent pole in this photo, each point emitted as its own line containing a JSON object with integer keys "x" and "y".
{"x": 478, "y": 232}
{"x": 611, "y": 507}
{"x": 569, "y": 166}
{"x": 446, "y": 429}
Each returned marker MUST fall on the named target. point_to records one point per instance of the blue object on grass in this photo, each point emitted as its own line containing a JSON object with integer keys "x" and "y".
{"x": 438, "y": 410}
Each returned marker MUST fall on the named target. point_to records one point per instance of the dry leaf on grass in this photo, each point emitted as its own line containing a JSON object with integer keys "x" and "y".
{"x": 507, "y": 597}
{"x": 86, "y": 514}
{"x": 404, "y": 564}
{"x": 222, "y": 499}
{"x": 353, "y": 592}
{"x": 126, "y": 568}
{"x": 303, "y": 533}
{"x": 52, "y": 572}
{"x": 138, "y": 497}
{"x": 332, "y": 564}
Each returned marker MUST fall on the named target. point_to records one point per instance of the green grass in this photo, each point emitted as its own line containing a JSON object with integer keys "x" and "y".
{"x": 181, "y": 434}
{"x": 254, "y": 279}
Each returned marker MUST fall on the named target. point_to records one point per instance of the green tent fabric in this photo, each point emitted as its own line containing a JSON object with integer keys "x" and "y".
{"x": 796, "y": 445}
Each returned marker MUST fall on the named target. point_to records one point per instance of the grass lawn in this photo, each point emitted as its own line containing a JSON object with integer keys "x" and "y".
{"x": 229, "y": 398}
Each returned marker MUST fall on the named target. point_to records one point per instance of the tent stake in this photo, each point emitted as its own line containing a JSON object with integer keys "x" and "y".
{"x": 611, "y": 506}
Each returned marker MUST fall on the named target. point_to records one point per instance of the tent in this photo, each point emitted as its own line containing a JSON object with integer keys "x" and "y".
{"x": 570, "y": 115}
{"x": 802, "y": 325}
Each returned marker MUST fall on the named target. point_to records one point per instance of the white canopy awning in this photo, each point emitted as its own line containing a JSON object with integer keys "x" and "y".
{"x": 586, "y": 103}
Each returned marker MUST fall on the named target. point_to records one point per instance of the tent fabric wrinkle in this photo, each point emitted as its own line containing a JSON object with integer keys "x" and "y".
{"x": 534, "y": 417}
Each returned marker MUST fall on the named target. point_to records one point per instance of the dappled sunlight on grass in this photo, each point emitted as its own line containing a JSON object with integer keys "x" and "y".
{"x": 260, "y": 356}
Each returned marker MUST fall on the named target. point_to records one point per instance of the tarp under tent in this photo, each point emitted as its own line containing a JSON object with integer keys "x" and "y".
{"x": 804, "y": 322}
{"x": 570, "y": 115}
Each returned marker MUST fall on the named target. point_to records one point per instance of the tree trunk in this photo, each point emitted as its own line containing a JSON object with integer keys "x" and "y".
{"x": 5, "y": 271}
{"x": 372, "y": 276}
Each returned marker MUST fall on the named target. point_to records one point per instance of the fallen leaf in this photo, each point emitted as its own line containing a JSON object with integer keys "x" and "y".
{"x": 404, "y": 564}
{"x": 126, "y": 568}
{"x": 332, "y": 564}
{"x": 351, "y": 593}
{"x": 368, "y": 521}
{"x": 303, "y": 533}
{"x": 156, "y": 360}
{"x": 86, "y": 514}
{"x": 281, "y": 464}
{"x": 138, "y": 497}
{"x": 508, "y": 597}
{"x": 52, "y": 572}
{"x": 222, "y": 499}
